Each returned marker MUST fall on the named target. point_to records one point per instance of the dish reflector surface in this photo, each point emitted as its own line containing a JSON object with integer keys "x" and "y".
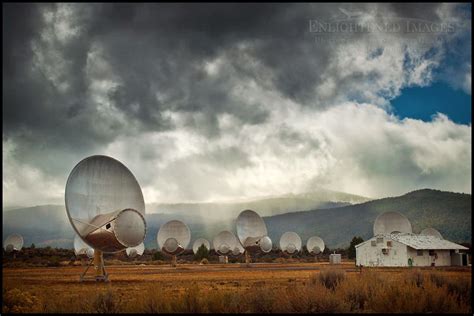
{"x": 290, "y": 242}
{"x": 173, "y": 237}
{"x": 431, "y": 232}
{"x": 390, "y": 222}
{"x": 315, "y": 245}
{"x": 225, "y": 242}
{"x": 105, "y": 205}
{"x": 13, "y": 242}
{"x": 199, "y": 242}
{"x": 250, "y": 230}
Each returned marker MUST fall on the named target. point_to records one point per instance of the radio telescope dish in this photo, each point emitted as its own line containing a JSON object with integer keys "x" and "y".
{"x": 238, "y": 250}
{"x": 81, "y": 248}
{"x": 135, "y": 251}
{"x": 431, "y": 232}
{"x": 391, "y": 222}
{"x": 290, "y": 242}
{"x": 199, "y": 242}
{"x": 173, "y": 237}
{"x": 13, "y": 242}
{"x": 251, "y": 230}
{"x": 105, "y": 205}
{"x": 266, "y": 244}
{"x": 315, "y": 245}
{"x": 225, "y": 242}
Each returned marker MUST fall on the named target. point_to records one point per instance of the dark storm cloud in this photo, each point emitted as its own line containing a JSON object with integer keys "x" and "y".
{"x": 78, "y": 77}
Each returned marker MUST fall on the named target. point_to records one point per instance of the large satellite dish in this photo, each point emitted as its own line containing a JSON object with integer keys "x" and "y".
{"x": 199, "y": 242}
{"x": 251, "y": 230}
{"x": 81, "y": 248}
{"x": 226, "y": 243}
{"x": 290, "y": 243}
{"x": 13, "y": 242}
{"x": 135, "y": 251}
{"x": 391, "y": 222}
{"x": 431, "y": 232}
{"x": 173, "y": 237}
{"x": 105, "y": 204}
{"x": 315, "y": 245}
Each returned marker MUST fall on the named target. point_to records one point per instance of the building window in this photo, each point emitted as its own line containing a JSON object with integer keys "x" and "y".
{"x": 389, "y": 243}
{"x": 432, "y": 252}
{"x": 385, "y": 251}
{"x": 373, "y": 243}
{"x": 419, "y": 252}
{"x": 379, "y": 240}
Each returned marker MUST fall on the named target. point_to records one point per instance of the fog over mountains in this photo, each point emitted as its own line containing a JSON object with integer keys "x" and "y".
{"x": 334, "y": 216}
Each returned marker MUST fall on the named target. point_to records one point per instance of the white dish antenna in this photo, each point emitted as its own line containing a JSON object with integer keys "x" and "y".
{"x": 431, "y": 232}
{"x": 199, "y": 242}
{"x": 226, "y": 243}
{"x": 391, "y": 222}
{"x": 81, "y": 248}
{"x": 13, "y": 242}
{"x": 290, "y": 243}
{"x": 251, "y": 231}
{"x": 315, "y": 245}
{"x": 135, "y": 251}
{"x": 173, "y": 237}
{"x": 105, "y": 205}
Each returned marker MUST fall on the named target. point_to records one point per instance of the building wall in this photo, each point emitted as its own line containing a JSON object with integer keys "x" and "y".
{"x": 443, "y": 258}
{"x": 368, "y": 255}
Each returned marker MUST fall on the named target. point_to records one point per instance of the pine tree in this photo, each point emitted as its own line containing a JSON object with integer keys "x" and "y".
{"x": 352, "y": 251}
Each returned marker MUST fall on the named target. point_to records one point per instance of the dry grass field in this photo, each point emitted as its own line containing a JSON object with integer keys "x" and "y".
{"x": 272, "y": 287}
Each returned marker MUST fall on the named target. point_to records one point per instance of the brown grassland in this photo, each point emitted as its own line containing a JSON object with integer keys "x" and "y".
{"x": 219, "y": 288}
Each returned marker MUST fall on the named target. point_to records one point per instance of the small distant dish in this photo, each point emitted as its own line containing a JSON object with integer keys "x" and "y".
{"x": 133, "y": 252}
{"x": 290, "y": 243}
{"x": 315, "y": 245}
{"x": 391, "y": 223}
{"x": 173, "y": 237}
{"x": 226, "y": 243}
{"x": 199, "y": 242}
{"x": 13, "y": 242}
{"x": 431, "y": 232}
{"x": 81, "y": 248}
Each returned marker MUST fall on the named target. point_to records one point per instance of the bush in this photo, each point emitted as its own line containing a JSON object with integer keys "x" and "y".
{"x": 18, "y": 301}
{"x": 106, "y": 303}
{"x": 331, "y": 278}
{"x": 158, "y": 256}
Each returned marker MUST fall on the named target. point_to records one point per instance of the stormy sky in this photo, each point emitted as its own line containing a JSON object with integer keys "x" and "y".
{"x": 208, "y": 102}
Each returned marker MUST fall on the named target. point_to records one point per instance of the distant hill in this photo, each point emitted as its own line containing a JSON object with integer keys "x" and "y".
{"x": 266, "y": 206}
{"x": 448, "y": 212}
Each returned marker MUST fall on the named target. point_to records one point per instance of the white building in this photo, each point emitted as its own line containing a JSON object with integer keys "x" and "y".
{"x": 407, "y": 249}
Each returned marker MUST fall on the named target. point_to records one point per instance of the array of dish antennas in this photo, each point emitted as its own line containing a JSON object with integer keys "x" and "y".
{"x": 13, "y": 243}
{"x": 133, "y": 252}
{"x": 290, "y": 243}
{"x": 431, "y": 232}
{"x": 225, "y": 243}
{"x": 105, "y": 206}
{"x": 82, "y": 249}
{"x": 391, "y": 223}
{"x": 315, "y": 245}
{"x": 200, "y": 242}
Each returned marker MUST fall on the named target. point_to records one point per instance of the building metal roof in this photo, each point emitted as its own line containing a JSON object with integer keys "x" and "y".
{"x": 420, "y": 242}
